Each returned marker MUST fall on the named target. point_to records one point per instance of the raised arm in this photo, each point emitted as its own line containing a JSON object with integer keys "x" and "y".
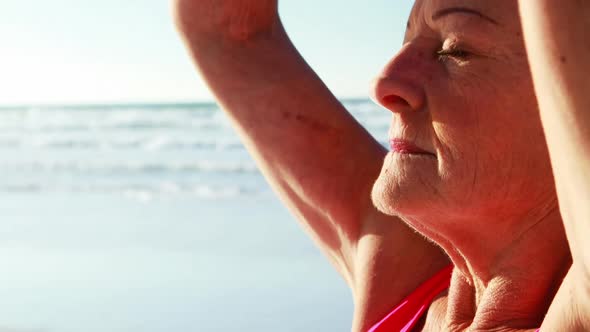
{"x": 557, "y": 35}
{"x": 314, "y": 154}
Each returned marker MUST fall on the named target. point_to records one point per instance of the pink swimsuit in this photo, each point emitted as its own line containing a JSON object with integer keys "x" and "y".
{"x": 405, "y": 316}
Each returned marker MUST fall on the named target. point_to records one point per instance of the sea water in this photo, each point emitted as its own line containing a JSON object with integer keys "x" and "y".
{"x": 153, "y": 218}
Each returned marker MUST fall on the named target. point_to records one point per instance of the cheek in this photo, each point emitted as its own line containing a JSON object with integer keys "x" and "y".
{"x": 492, "y": 149}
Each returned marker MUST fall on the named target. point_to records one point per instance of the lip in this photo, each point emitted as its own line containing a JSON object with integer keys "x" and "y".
{"x": 405, "y": 147}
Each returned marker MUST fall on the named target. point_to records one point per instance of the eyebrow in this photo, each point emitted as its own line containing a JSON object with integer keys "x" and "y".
{"x": 461, "y": 10}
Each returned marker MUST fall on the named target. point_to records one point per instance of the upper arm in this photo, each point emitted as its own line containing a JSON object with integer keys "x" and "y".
{"x": 392, "y": 260}
{"x": 558, "y": 46}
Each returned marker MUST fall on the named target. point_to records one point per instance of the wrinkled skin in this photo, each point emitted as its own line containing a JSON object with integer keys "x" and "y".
{"x": 474, "y": 107}
{"x": 460, "y": 89}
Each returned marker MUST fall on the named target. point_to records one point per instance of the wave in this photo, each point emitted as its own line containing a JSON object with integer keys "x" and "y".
{"x": 135, "y": 117}
{"x": 150, "y": 144}
{"x": 140, "y": 124}
{"x": 139, "y": 192}
{"x": 48, "y": 151}
{"x": 86, "y": 168}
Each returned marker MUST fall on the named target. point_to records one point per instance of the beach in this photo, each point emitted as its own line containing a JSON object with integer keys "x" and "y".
{"x": 153, "y": 218}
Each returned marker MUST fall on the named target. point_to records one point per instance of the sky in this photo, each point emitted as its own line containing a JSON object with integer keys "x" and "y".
{"x": 113, "y": 51}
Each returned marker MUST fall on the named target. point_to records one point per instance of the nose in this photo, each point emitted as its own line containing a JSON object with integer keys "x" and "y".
{"x": 398, "y": 86}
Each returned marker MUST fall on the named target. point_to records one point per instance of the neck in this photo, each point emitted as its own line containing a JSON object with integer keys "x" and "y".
{"x": 505, "y": 276}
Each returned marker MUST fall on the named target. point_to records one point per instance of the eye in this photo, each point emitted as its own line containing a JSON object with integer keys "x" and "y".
{"x": 453, "y": 52}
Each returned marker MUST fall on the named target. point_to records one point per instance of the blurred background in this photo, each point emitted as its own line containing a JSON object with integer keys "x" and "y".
{"x": 127, "y": 203}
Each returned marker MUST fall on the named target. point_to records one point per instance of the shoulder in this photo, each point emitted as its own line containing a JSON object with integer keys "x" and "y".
{"x": 391, "y": 262}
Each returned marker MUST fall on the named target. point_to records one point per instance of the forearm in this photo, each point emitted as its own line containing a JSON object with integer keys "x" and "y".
{"x": 243, "y": 53}
{"x": 558, "y": 44}
{"x": 254, "y": 78}
{"x": 230, "y": 19}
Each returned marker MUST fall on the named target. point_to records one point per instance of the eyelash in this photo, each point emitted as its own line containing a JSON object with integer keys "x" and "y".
{"x": 452, "y": 52}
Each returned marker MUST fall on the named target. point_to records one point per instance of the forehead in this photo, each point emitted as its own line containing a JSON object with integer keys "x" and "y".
{"x": 505, "y": 12}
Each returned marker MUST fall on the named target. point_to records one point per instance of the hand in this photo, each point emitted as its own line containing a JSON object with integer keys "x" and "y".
{"x": 234, "y": 19}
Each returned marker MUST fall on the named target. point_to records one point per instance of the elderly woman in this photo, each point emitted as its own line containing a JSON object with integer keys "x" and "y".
{"x": 487, "y": 171}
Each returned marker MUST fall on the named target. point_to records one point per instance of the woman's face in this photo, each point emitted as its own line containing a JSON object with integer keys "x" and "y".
{"x": 460, "y": 89}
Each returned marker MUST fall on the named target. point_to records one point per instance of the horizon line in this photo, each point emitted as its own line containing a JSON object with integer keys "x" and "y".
{"x": 130, "y": 104}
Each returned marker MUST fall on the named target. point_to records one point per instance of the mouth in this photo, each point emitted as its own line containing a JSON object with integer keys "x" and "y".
{"x": 405, "y": 147}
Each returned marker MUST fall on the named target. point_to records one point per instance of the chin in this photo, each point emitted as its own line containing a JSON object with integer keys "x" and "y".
{"x": 383, "y": 198}
{"x": 405, "y": 185}
{"x": 392, "y": 197}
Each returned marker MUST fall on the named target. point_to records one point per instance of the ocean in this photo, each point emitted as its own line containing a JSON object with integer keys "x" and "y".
{"x": 153, "y": 218}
